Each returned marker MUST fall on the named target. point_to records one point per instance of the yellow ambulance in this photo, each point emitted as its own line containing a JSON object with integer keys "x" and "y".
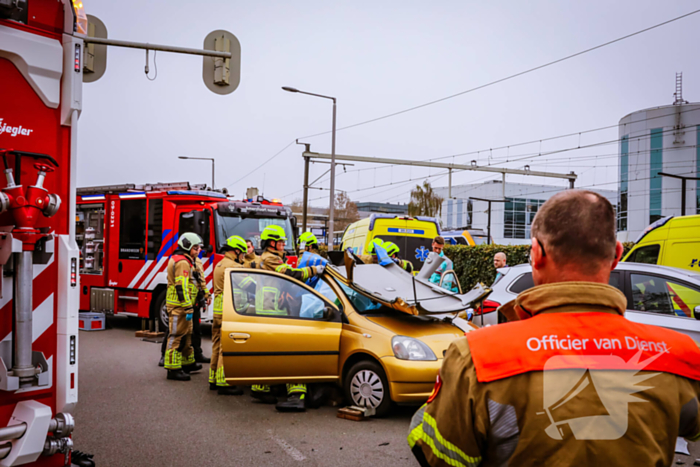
{"x": 413, "y": 235}
{"x": 671, "y": 241}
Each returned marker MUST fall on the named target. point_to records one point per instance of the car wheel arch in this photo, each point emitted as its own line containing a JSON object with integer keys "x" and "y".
{"x": 358, "y": 357}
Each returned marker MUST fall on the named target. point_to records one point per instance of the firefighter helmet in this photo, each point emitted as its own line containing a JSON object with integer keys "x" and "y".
{"x": 188, "y": 240}
{"x": 237, "y": 243}
{"x": 308, "y": 238}
{"x": 391, "y": 248}
{"x": 372, "y": 244}
{"x": 273, "y": 232}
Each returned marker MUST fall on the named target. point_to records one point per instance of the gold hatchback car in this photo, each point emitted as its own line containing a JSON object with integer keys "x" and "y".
{"x": 366, "y": 327}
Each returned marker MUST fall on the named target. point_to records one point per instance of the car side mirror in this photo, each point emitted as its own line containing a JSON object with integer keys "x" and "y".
{"x": 328, "y": 312}
{"x": 697, "y": 312}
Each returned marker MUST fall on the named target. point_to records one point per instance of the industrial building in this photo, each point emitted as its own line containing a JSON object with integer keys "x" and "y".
{"x": 657, "y": 146}
{"x": 510, "y": 220}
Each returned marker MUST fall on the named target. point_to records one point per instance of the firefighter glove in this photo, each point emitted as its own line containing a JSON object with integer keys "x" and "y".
{"x": 188, "y": 316}
{"x": 319, "y": 269}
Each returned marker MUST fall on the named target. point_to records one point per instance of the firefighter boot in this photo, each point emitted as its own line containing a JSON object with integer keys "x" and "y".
{"x": 230, "y": 391}
{"x": 191, "y": 368}
{"x": 263, "y": 394}
{"x": 162, "y": 361}
{"x": 200, "y": 358}
{"x": 178, "y": 375}
{"x": 213, "y": 387}
{"x": 294, "y": 403}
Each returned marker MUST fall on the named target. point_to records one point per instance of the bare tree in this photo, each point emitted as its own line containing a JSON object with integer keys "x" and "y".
{"x": 345, "y": 211}
{"x": 424, "y": 201}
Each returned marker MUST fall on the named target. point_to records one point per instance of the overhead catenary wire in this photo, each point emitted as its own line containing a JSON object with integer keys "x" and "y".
{"x": 538, "y": 154}
{"x": 484, "y": 86}
{"x": 507, "y": 78}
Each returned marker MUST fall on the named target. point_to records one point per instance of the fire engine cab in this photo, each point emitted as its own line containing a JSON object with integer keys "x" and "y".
{"x": 126, "y": 234}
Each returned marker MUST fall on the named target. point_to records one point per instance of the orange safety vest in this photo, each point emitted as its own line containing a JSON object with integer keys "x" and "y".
{"x": 593, "y": 340}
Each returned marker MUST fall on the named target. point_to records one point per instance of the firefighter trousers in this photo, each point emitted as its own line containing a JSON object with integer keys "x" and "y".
{"x": 196, "y": 334}
{"x": 216, "y": 368}
{"x": 179, "y": 351}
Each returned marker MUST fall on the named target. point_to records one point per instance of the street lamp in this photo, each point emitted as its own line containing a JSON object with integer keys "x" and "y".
{"x": 203, "y": 159}
{"x": 332, "y": 203}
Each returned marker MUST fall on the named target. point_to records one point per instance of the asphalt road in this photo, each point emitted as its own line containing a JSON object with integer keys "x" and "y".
{"x": 129, "y": 415}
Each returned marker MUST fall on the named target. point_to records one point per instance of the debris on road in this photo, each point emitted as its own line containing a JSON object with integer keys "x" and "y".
{"x": 355, "y": 413}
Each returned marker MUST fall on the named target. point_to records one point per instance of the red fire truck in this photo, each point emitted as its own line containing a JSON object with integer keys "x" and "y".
{"x": 42, "y": 49}
{"x": 40, "y": 101}
{"x": 126, "y": 233}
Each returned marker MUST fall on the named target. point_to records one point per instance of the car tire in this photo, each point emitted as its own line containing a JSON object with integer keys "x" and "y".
{"x": 365, "y": 385}
{"x": 161, "y": 312}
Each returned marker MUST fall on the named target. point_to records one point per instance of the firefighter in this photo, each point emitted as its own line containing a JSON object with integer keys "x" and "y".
{"x": 203, "y": 300}
{"x": 234, "y": 257}
{"x": 370, "y": 256}
{"x": 251, "y": 259}
{"x": 573, "y": 382}
{"x": 273, "y": 240}
{"x": 307, "y": 244}
{"x": 181, "y": 294}
{"x": 392, "y": 249}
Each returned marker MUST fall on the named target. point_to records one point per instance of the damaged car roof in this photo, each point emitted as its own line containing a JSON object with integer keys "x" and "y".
{"x": 391, "y": 285}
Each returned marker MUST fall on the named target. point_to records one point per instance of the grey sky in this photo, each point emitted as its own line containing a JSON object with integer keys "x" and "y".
{"x": 377, "y": 58}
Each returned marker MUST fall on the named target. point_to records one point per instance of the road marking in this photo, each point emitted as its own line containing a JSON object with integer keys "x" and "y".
{"x": 286, "y": 447}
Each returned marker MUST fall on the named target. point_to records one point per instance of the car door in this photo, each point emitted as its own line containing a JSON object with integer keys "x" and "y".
{"x": 663, "y": 301}
{"x": 277, "y": 330}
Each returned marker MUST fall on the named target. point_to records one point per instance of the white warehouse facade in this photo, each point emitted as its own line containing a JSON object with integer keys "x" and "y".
{"x": 510, "y": 220}
{"x": 652, "y": 141}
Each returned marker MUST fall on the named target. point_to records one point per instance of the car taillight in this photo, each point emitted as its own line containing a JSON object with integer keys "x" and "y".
{"x": 489, "y": 306}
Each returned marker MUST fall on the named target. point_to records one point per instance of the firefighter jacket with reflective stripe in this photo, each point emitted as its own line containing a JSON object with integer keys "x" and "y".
{"x": 251, "y": 260}
{"x": 182, "y": 289}
{"x": 201, "y": 278}
{"x": 240, "y": 285}
{"x": 312, "y": 259}
{"x": 407, "y": 265}
{"x": 575, "y": 384}
{"x": 268, "y": 297}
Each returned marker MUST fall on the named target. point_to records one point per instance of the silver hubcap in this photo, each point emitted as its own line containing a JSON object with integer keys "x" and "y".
{"x": 367, "y": 389}
{"x": 164, "y": 315}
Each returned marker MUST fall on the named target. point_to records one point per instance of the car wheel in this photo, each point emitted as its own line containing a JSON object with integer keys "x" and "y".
{"x": 366, "y": 386}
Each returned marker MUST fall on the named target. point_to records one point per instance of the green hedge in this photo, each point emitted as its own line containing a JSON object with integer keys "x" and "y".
{"x": 474, "y": 264}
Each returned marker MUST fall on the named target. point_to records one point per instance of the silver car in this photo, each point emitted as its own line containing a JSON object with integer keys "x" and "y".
{"x": 658, "y": 295}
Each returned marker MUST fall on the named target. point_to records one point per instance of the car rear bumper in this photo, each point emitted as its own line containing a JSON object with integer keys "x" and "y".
{"x": 410, "y": 381}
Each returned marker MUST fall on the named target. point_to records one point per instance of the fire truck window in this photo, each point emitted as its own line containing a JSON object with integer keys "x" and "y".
{"x": 155, "y": 227}
{"x": 249, "y": 228}
{"x": 132, "y": 230}
{"x": 197, "y": 222}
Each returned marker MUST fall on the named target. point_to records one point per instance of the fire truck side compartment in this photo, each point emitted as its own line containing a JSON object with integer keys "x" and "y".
{"x": 102, "y": 300}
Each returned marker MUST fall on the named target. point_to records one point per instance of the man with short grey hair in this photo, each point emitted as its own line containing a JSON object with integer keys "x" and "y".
{"x": 569, "y": 381}
{"x": 499, "y": 261}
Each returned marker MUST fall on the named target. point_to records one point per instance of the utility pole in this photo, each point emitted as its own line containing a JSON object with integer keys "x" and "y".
{"x": 683, "y": 192}
{"x": 488, "y": 234}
